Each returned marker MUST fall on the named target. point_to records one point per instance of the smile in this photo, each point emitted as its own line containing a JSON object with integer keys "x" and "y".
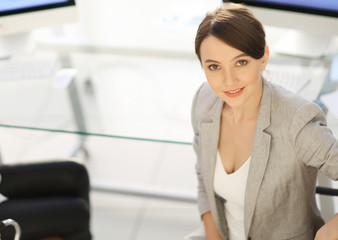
{"x": 234, "y": 93}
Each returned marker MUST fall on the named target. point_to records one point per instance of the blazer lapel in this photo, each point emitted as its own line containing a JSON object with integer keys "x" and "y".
{"x": 209, "y": 139}
{"x": 259, "y": 157}
{"x": 209, "y": 135}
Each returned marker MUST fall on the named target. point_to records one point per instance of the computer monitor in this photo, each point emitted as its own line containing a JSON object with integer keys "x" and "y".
{"x": 18, "y": 18}
{"x": 312, "y": 23}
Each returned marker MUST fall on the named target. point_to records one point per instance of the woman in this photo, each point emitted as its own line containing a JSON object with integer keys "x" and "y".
{"x": 259, "y": 147}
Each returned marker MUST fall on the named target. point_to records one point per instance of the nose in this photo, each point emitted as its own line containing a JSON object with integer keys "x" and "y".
{"x": 229, "y": 78}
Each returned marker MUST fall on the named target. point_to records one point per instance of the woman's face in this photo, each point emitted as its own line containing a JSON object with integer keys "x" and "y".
{"x": 234, "y": 76}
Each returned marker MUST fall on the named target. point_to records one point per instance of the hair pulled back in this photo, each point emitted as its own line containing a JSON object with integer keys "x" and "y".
{"x": 235, "y": 25}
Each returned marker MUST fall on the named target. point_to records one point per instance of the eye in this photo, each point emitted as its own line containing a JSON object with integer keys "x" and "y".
{"x": 242, "y": 63}
{"x": 213, "y": 67}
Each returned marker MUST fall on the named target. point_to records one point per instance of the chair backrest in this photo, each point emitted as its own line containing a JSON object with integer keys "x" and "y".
{"x": 14, "y": 224}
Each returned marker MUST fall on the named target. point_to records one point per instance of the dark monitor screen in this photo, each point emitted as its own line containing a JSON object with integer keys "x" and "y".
{"x": 9, "y": 7}
{"x": 319, "y": 7}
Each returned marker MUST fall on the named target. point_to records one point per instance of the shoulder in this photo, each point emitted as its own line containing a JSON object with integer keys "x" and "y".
{"x": 285, "y": 99}
{"x": 289, "y": 106}
{"x": 204, "y": 96}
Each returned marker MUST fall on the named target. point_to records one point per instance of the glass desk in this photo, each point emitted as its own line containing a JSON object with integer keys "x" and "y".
{"x": 128, "y": 97}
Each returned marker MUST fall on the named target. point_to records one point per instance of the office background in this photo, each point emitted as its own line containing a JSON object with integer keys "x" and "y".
{"x": 124, "y": 71}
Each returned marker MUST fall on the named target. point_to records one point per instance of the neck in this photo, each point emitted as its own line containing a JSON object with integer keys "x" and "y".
{"x": 243, "y": 113}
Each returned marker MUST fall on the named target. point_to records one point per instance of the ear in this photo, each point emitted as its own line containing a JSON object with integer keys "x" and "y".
{"x": 265, "y": 58}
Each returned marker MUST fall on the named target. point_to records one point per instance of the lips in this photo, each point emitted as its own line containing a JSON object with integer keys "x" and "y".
{"x": 234, "y": 93}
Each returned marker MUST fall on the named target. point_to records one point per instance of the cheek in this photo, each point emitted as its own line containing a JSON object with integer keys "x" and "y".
{"x": 213, "y": 80}
{"x": 259, "y": 74}
{"x": 253, "y": 73}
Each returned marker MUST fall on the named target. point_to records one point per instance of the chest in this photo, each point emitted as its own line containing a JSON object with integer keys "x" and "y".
{"x": 235, "y": 144}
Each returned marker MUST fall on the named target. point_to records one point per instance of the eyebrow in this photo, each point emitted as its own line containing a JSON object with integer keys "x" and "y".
{"x": 239, "y": 56}
{"x": 210, "y": 60}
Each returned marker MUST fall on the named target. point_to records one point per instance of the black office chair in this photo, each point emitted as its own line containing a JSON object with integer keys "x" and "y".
{"x": 47, "y": 199}
{"x": 11, "y": 223}
{"x": 327, "y": 191}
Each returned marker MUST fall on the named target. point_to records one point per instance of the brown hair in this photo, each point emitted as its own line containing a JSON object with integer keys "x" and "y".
{"x": 235, "y": 25}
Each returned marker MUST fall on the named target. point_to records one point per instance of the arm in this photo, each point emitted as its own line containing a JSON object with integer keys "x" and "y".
{"x": 202, "y": 200}
{"x": 201, "y": 104}
{"x": 314, "y": 141}
{"x": 211, "y": 231}
{"x": 321, "y": 151}
{"x": 329, "y": 231}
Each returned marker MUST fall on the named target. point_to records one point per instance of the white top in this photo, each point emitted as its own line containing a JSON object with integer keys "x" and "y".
{"x": 232, "y": 187}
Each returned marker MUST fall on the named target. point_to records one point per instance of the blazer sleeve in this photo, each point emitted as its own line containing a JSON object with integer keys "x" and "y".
{"x": 202, "y": 199}
{"x": 314, "y": 141}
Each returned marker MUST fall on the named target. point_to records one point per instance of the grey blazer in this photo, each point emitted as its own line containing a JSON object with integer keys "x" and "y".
{"x": 291, "y": 144}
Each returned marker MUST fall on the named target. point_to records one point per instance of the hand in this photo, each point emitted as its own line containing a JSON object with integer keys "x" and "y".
{"x": 329, "y": 231}
{"x": 211, "y": 231}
